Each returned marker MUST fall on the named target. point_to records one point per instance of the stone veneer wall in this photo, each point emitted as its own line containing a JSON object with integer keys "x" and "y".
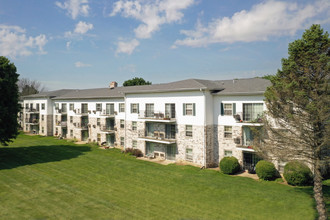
{"x": 120, "y": 132}
{"x": 222, "y": 143}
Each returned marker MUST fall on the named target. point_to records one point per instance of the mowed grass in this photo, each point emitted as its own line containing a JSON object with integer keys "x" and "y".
{"x": 45, "y": 178}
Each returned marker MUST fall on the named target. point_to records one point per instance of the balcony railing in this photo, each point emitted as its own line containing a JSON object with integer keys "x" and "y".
{"x": 82, "y": 126}
{"x": 109, "y": 129}
{"x": 79, "y": 112}
{"x": 158, "y": 136}
{"x": 239, "y": 118}
{"x": 108, "y": 113}
{"x": 32, "y": 120}
{"x": 61, "y": 123}
{"x": 61, "y": 111}
{"x": 32, "y": 110}
{"x": 157, "y": 115}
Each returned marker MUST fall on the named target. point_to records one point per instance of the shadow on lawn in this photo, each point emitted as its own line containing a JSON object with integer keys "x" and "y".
{"x": 12, "y": 157}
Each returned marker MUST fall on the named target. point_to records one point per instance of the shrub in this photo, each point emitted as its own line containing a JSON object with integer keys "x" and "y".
{"x": 229, "y": 165}
{"x": 297, "y": 174}
{"x": 137, "y": 153}
{"x": 266, "y": 170}
{"x": 128, "y": 151}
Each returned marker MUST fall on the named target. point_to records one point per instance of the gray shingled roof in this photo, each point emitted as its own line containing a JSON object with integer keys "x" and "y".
{"x": 243, "y": 86}
{"x": 218, "y": 87}
{"x": 50, "y": 94}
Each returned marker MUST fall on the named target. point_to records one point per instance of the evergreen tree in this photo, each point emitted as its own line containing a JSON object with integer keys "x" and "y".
{"x": 297, "y": 121}
{"x": 9, "y": 106}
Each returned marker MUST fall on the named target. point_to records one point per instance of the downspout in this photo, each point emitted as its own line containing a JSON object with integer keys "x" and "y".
{"x": 204, "y": 151}
{"x": 125, "y": 122}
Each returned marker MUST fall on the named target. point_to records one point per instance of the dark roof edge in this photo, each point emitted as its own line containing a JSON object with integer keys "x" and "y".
{"x": 165, "y": 90}
{"x": 239, "y": 93}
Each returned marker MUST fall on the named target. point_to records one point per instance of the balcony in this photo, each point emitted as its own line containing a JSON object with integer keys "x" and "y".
{"x": 158, "y": 137}
{"x": 32, "y": 121}
{"x": 78, "y": 111}
{"x": 107, "y": 129}
{"x": 32, "y": 111}
{"x": 81, "y": 126}
{"x": 109, "y": 114}
{"x": 61, "y": 111}
{"x": 157, "y": 116}
{"x": 246, "y": 118}
{"x": 62, "y": 124}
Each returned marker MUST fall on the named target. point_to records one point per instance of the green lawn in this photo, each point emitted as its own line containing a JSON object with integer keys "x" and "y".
{"x": 45, "y": 178}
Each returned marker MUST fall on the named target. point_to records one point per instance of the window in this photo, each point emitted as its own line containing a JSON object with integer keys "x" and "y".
{"x": 247, "y": 136}
{"x": 64, "y": 109}
{"x": 26, "y": 106}
{"x": 84, "y": 108}
{"x": 169, "y": 110}
{"x": 134, "y": 125}
{"x": 228, "y": 153}
{"x": 122, "y": 141}
{"x": 252, "y": 111}
{"x": 98, "y": 121}
{"x": 122, "y": 123}
{"x": 98, "y": 137}
{"x": 189, "y": 132}
{"x": 98, "y": 107}
{"x": 228, "y": 108}
{"x": 110, "y": 109}
{"x": 56, "y": 106}
{"x": 71, "y": 119}
{"x": 228, "y": 132}
{"x": 189, "y": 154}
{"x": 121, "y": 107}
{"x": 189, "y": 109}
{"x": 134, "y": 144}
{"x": 42, "y": 130}
{"x": 149, "y": 111}
{"x": 38, "y": 106}
{"x": 56, "y": 131}
{"x": 42, "y": 119}
{"x": 43, "y": 106}
{"x": 71, "y": 133}
{"x": 134, "y": 108}
{"x": 71, "y": 106}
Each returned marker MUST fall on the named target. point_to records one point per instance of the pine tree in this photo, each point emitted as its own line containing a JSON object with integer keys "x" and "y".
{"x": 297, "y": 121}
{"x": 9, "y": 106}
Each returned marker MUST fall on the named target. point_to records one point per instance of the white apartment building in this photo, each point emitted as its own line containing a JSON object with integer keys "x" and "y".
{"x": 199, "y": 121}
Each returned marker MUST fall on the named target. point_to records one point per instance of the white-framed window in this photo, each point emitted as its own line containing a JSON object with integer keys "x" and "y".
{"x": 228, "y": 153}
{"x": 121, "y": 107}
{"x": 98, "y": 107}
{"x": 189, "y": 154}
{"x": 71, "y": 133}
{"x": 228, "y": 109}
{"x": 71, "y": 106}
{"x": 252, "y": 111}
{"x": 42, "y": 130}
{"x": 98, "y": 137}
{"x": 43, "y": 106}
{"x": 134, "y": 143}
{"x": 98, "y": 121}
{"x": 189, "y": 109}
{"x": 56, "y": 106}
{"x": 38, "y": 106}
{"x": 122, "y": 123}
{"x": 228, "y": 132}
{"x": 27, "y": 106}
{"x": 189, "y": 131}
{"x": 42, "y": 119}
{"x": 71, "y": 119}
{"x": 122, "y": 141}
{"x": 134, "y": 125}
{"x": 134, "y": 107}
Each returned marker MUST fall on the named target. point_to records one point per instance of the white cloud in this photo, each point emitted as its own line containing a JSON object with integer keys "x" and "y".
{"x": 127, "y": 47}
{"x": 75, "y": 7}
{"x": 152, "y": 14}
{"x": 81, "y": 28}
{"x": 14, "y": 42}
{"x": 68, "y": 45}
{"x": 264, "y": 20}
{"x": 81, "y": 64}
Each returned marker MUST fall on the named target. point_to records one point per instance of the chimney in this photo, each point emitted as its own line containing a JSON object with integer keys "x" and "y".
{"x": 113, "y": 85}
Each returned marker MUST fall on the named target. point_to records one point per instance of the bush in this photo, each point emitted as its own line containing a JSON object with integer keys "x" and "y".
{"x": 128, "y": 151}
{"x": 266, "y": 170}
{"x": 137, "y": 153}
{"x": 229, "y": 165}
{"x": 297, "y": 174}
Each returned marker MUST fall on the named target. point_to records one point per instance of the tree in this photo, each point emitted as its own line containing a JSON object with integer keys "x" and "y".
{"x": 9, "y": 106}
{"x": 29, "y": 87}
{"x": 136, "y": 81}
{"x": 297, "y": 120}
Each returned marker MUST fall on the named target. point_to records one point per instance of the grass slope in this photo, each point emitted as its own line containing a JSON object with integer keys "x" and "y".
{"x": 45, "y": 178}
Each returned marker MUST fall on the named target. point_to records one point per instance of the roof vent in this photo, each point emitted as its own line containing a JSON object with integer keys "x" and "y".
{"x": 113, "y": 85}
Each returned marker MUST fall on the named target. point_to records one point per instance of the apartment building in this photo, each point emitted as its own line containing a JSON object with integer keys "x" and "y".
{"x": 199, "y": 121}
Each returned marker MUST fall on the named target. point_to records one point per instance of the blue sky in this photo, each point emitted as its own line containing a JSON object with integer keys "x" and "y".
{"x": 89, "y": 43}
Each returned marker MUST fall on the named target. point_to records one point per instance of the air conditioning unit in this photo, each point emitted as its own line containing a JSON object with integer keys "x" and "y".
{"x": 238, "y": 117}
{"x": 237, "y": 140}
{"x": 74, "y": 124}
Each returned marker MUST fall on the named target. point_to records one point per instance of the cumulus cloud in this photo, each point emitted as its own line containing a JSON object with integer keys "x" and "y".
{"x": 264, "y": 20}
{"x": 81, "y": 28}
{"x": 14, "y": 42}
{"x": 152, "y": 14}
{"x": 81, "y": 64}
{"x": 127, "y": 47}
{"x": 75, "y": 7}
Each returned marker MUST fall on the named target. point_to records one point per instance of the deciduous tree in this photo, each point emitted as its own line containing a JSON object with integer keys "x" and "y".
{"x": 9, "y": 106}
{"x": 136, "y": 81}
